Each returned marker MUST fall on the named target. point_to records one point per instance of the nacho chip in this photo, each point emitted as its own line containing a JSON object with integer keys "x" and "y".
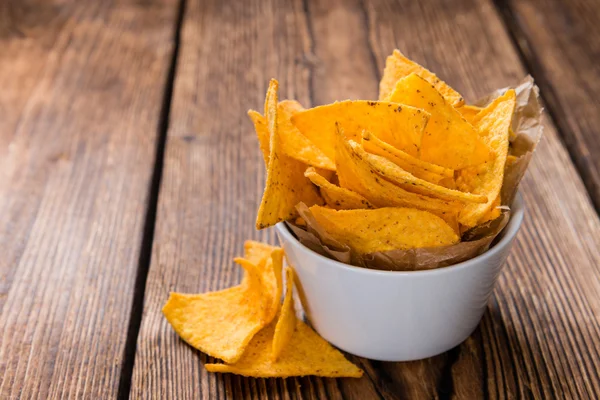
{"x": 393, "y": 173}
{"x": 262, "y": 132}
{"x": 419, "y": 168}
{"x": 397, "y": 66}
{"x": 355, "y": 174}
{"x": 306, "y": 354}
{"x": 257, "y": 252}
{"x": 449, "y": 140}
{"x": 270, "y": 275}
{"x": 469, "y": 112}
{"x": 220, "y": 324}
{"x": 286, "y": 184}
{"x": 337, "y": 197}
{"x": 384, "y": 229}
{"x": 294, "y": 143}
{"x": 399, "y": 125}
{"x": 286, "y": 324}
{"x": 493, "y": 213}
{"x": 494, "y": 125}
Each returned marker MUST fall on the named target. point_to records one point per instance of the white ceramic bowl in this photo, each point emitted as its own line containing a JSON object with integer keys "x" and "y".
{"x": 397, "y": 316}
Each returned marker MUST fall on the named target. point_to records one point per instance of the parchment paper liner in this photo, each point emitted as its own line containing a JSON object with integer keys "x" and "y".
{"x": 527, "y": 131}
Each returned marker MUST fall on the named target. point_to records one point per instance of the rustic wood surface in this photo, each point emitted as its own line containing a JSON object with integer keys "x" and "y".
{"x": 81, "y": 91}
{"x": 538, "y": 338}
{"x": 88, "y": 91}
{"x": 559, "y": 41}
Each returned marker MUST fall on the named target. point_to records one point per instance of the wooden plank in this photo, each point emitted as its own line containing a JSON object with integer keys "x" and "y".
{"x": 82, "y": 90}
{"x": 539, "y": 335}
{"x": 558, "y": 40}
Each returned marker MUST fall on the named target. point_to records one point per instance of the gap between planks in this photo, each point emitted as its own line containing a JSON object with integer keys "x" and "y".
{"x": 145, "y": 258}
{"x": 532, "y": 65}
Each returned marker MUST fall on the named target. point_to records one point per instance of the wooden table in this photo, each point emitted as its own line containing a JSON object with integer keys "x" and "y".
{"x": 128, "y": 169}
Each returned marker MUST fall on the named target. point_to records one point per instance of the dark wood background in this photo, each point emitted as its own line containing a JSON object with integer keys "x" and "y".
{"x": 128, "y": 169}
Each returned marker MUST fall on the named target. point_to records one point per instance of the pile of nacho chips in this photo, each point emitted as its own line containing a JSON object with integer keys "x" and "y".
{"x": 247, "y": 327}
{"x": 416, "y": 169}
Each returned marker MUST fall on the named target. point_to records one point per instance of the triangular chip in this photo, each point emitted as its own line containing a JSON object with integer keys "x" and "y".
{"x": 306, "y": 354}
{"x": 398, "y": 176}
{"x": 493, "y": 213}
{"x": 301, "y": 351}
{"x": 286, "y": 184}
{"x": 256, "y": 252}
{"x": 355, "y": 174}
{"x": 494, "y": 125}
{"x": 397, "y": 66}
{"x": 286, "y": 324}
{"x": 270, "y": 274}
{"x": 399, "y": 125}
{"x": 419, "y": 168}
{"x": 449, "y": 140}
{"x": 262, "y": 133}
{"x": 294, "y": 143}
{"x": 337, "y": 197}
{"x": 469, "y": 112}
{"x": 220, "y": 324}
{"x": 383, "y": 229}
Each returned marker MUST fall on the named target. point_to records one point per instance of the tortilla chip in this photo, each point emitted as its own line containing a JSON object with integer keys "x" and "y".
{"x": 384, "y": 229}
{"x": 300, "y": 222}
{"x": 494, "y": 125}
{"x": 294, "y": 143}
{"x": 493, "y": 213}
{"x": 286, "y": 324}
{"x": 399, "y": 125}
{"x": 220, "y": 324}
{"x": 449, "y": 140}
{"x": 419, "y": 168}
{"x": 262, "y": 132}
{"x": 469, "y": 112}
{"x": 257, "y": 252}
{"x": 286, "y": 184}
{"x": 355, "y": 174}
{"x": 393, "y": 173}
{"x": 397, "y": 66}
{"x": 337, "y": 197}
{"x": 270, "y": 275}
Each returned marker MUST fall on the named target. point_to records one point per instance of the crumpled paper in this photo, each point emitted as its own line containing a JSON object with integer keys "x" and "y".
{"x": 527, "y": 130}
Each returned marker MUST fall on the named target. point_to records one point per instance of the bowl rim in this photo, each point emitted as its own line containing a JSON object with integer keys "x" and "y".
{"x": 508, "y": 234}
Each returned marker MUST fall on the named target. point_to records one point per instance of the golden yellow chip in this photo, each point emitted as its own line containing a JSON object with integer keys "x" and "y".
{"x": 270, "y": 275}
{"x": 408, "y": 181}
{"x": 419, "y": 168}
{"x": 262, "y": 132}
{"x": 449, "y": 140}
{"x": 286, "y": 184}
{"x": 469, "y": 112}
{"x": 306, "y": 354}
{"x": 286, "y": 324}
{"x": 220, "y": 324}
{"x": 337, "y": 197}
{"x": 494, "y": 125}
{"x": 355, "y": 174}
{"x": 257, "y": 252}
{"x": 399, "y": 125}
{"x": 294, "y": 143}
{"x": 383, "y": 229}
{"x": 493, "y": 213}
{"x": 397, "y": 66}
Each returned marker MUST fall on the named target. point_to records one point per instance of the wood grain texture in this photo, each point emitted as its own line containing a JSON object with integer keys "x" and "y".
{"x": 82, "y": 86}
{"x": 539, "y": 336}
{"x": 559, "y": 41}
